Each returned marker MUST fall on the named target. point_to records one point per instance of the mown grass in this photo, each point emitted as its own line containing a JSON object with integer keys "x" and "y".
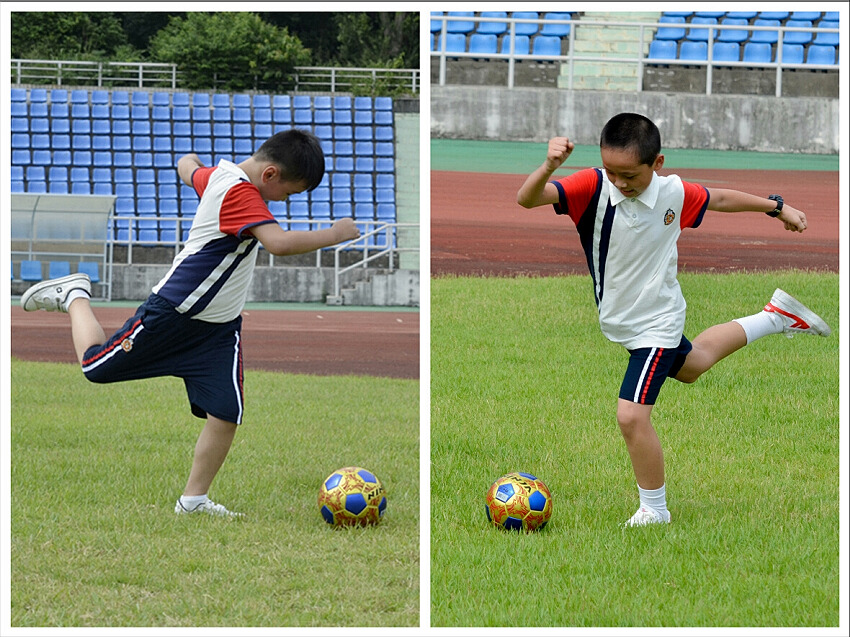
{"x": 96, "y": 471}
{"x": 522, "y": 379}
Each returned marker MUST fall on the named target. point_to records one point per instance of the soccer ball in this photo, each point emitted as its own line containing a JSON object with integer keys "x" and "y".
{"x": 352, "y": 496}
{"x": 519, "y": 501}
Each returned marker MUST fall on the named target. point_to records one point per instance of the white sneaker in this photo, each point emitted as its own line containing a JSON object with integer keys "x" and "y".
{"x": 796, "y": 317}
{"x": 208, "y": 507}
{"x": 51, "y": 295}
{"x": 646, "y": 515}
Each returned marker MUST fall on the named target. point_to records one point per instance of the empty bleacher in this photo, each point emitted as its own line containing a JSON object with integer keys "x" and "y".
{"x": 685, "y": 36}
{"x": 488, "y": 33}
{"x": 127, "y": 143}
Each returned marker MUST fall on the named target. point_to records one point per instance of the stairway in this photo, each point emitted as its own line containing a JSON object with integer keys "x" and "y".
{"x": 381, "y": 288}
{"x": 607, "y": 42}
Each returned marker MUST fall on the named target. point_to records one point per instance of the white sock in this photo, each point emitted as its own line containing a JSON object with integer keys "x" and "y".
{"x": 75, "y": 294}
{"x": 760, "y": 324}
{"x": 192, "y": 502}
{"x": 655, "y": 499}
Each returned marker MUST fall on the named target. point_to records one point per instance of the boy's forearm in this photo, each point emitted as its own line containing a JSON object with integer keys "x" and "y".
{"x": 303, "y": 241}
{"x": 723, "y": 200}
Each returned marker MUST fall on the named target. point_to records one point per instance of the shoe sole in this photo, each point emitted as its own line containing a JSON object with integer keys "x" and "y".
{"x": 50, "y": 283}
{"x": 792, "y": 305}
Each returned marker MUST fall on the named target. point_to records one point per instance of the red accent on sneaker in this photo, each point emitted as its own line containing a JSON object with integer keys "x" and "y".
{"x": 798, "y": 322}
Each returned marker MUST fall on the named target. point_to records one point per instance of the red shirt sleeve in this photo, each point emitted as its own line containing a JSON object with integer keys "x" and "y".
{"x": 243, "y": 208}
{"x": 694, "y": 205}
{"x": 576, "y": 191}
{"x": 200, "y": 179}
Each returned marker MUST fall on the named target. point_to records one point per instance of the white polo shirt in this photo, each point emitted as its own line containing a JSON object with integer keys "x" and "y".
{"x": 210, "y": 277}
{"x": 630, "y": 246}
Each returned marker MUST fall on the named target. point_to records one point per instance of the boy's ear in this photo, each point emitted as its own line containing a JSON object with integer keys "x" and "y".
{"x": 658, "y": 163}
{"x": 270, "y": 173}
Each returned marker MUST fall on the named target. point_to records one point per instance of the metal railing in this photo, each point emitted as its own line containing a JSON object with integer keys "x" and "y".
{"x": 158, "y": 75}
{"x": 357, "y": 80}
{"x": 646, "y": 31}
{"x": 82, "y": 73}
{"x": 388, "y": 247}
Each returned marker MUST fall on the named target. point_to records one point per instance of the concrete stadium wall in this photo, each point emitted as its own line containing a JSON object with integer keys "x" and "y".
{"x": 723, "y": 122}
{"x": 289, "y": 284}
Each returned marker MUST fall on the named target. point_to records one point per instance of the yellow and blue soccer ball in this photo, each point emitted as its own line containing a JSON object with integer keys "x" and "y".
{"x": 519, "y": 502}
{"x": 352, "y": 496}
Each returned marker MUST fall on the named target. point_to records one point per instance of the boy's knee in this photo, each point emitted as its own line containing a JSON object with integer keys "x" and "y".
{"x": 632, "y": 417}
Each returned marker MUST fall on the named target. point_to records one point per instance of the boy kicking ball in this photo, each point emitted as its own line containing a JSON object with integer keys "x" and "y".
{"x": 629, "y": 219}
{"x": 190, "y": 325}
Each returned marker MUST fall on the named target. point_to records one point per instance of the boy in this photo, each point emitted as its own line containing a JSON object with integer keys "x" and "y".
{"x": 190, "y": 325}
{"x": 629, "y": 218}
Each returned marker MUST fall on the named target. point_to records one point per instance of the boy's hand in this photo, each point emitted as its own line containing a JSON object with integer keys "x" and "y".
{"x": 794, "y": 220}
{"x": 345, "y": 230}
{"x": 559, "y": 149}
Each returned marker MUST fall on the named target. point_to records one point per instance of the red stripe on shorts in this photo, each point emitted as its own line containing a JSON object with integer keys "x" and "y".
{"x": 651, "y": 374}
{"x": 116, "y": 343}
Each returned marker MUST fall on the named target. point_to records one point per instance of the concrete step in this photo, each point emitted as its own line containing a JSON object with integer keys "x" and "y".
{"x": 396, "y": 288}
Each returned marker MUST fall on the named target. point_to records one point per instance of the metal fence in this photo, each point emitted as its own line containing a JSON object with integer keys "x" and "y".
{"x": 646, "y": 32}
{"x": 366, "y": 81}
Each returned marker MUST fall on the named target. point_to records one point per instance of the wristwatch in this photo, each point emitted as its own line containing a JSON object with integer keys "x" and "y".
{"x": 779, "y": 203}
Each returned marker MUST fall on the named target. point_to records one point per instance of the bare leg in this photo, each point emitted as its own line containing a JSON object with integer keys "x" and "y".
{"x": 710, "y": 346}
{"x": 85, "y": 328}
{"x": 210, "y": 451}
{"x": 642, "y": 443}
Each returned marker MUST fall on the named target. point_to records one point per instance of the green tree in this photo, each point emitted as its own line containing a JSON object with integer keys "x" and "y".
{"x": 233, "y": 51}
{"x": 376, "y": 39}
{"x": 68, "y": 35}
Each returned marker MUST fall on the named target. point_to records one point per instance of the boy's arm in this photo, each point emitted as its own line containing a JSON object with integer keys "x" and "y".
{"x": 537, "y": 190}
{"x": 280, "y": 242}
{"x": 187, "y": 165}
{"x": 723, "y": 200}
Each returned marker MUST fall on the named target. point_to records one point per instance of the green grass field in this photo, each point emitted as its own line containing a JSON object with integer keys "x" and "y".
{"x": 522, "y": 379}
{"x": 96, "y": 471}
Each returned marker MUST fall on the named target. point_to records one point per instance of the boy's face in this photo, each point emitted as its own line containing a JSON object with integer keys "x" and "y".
{"x": 273, "y": 188}
{"x": 624, "y": 170}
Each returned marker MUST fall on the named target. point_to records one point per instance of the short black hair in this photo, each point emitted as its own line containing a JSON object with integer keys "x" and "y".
{"x": 299, "y": 155}
{"x": 632, "y": 131}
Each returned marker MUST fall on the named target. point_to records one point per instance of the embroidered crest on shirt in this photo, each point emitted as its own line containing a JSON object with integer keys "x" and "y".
{"x": 669, "y": 217}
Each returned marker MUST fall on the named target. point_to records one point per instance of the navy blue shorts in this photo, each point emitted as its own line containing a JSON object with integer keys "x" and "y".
{"x": 159, "y": 341}
{"x": 648, "y": 368}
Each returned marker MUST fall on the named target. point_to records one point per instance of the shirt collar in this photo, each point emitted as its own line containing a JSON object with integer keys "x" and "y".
{"x": 648, "y": 197}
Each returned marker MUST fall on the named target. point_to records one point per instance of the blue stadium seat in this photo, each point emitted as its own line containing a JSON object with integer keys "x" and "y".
{"x": 56, "y": 269}
{"x": 385, "y": 212}
{"x": 385, "y": 181}
{"x": 201, "y": 114}
{"x": 161, "y": 98}
{"x": 709, "y": 14}
{"x": 38, "y": 95}
{"x": 492, "y": 28}
{"x": 798, "y": 37}
{"x": 695, "y": 51}
{"x": 436, "y": 25}
{"x": 364, "y": 164}
{"x": 821, "y": 54}
{"x": 384, "y": 165}
{"x": 18, "y": 94}
{"x": 526, "y": 28}
{"x": 671, "y": 32}
{"x": 733, "y": 35}
{"x": 522, "y": 45}
{"x": 557, "y": 30}
{"x": 696, "y": 34}
{"x": 363, "y": 103}
{"x": 827, "y": 39}
{"x": 31, "y": 270}
{"x": 792, "y": 54}
{"x": 773, "y": 15}
{"x": 483, "y": 43}
{"x": 742, "y": 15}
{"x": 546, "y": 46}
{"x": 766, "y": 37}
{"x": 455, "y": 43}
{"x": 20, "y": 140}
{"x": 811, "y": 16}
{"x": 726, "y": 52}
{"x": 364, "y": 149}
{"x": 460, "y": 26}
